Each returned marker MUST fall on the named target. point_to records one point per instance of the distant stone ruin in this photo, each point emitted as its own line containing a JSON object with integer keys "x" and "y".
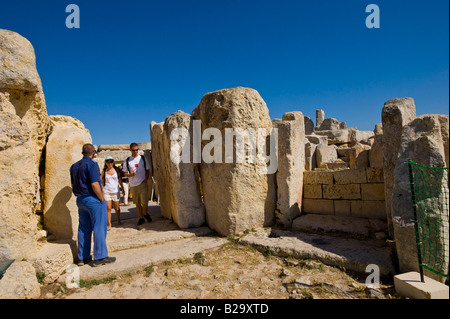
{"x": 329, "y": 178}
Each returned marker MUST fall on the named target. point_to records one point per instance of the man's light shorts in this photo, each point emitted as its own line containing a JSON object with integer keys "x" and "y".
{"x": 140, "y": 194}
{"x": 115, "y": 197}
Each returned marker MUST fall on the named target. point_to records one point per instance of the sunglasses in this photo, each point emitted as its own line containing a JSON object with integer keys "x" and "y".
{"x": 135, "y": 150}
{"x": 109, "y": 162}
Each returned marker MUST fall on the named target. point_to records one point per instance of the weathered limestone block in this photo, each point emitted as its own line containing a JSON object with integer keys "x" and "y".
{"x": 161, "y": 169}
{"x": 320, "y": 116}
{"x": 291, "y": 164}
{"x": 339, "y": 136}
{"x": 318, "y": 177}
{"x": 312, "y": 191}
{"x": 376, "y": 152}
{"x": 395, "y": 114}
{"x": 18, "y": 63}
{"x": 372, "y": 191}
{"x": 309, "y": 125}
{"x": 51, "y": 260}
{"x": 237, "y": 196}
{"x": 344, "y": 152}
{"x": 115, "y": 147}
{"x": 330, "y": 124}
{"x": 186, "y": 207}
{"x": 326, "y": 154}
{"x": 318, "y": 206}
{"x": 368, "y": 209}
{"x": 357, "y": 136}
{"x": 20, "y": 282}
{"x": 350, "y": 176}
{"x": 348, "y": 191}
{"x": 375, "y": 175}
{"x": 64, "y": 147}
{"x": 339, "y": 164}
{"x": 311, "y": 144}
{"x": 359, "y": 156}
{"x": 425, "y": 141}
{"x": 342, "y": 207}
{"x": 23, "y": 131}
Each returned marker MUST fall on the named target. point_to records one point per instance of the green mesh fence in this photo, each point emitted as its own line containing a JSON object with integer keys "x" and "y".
{"x": 430, "y": 199}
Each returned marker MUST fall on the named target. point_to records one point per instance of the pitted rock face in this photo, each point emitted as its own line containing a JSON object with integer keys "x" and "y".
{"x": 237, "y": 196}
{"x": 17, "y": 63}
{"x": 23, "y": 129}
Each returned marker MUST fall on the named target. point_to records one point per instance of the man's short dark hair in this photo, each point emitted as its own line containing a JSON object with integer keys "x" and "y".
{"x": 133, "y": 145}
{"x": 88, "y": 149}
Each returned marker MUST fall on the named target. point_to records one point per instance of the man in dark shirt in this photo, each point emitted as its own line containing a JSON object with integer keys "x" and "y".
{"x": 86, "y": 186}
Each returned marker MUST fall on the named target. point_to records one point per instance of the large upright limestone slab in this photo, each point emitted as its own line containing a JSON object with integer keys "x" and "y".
{"x": 396, "y": 113}
{"x": 425, "y": 141}
{"x": 178, "y": 178}
{"x": 64, "y": 147}
{"x": 237, "y": 196}
{"x": 291, "y": 165}
{"x": 23, "y": 131}
{"x": 161, "y": 168}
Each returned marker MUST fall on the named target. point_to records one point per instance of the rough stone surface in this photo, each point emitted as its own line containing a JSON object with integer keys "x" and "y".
{"x": 350, "y": 176}
{"x": 425, "y": 141}
{"x": 291, "y": 164}
{"x": 236, "y": 195}
{"x": 329, "y": 124}
{"x": 309, "y": 125}
{"x": 368, "y": 209}
{"x": 377, "y": 150}
{"x": 18, "y": 63}
{"x": 320, "y": 116}
{"x": 23, "y": 131}
{"x": 312, "y": 142}
{"x": 64, "y": 147}
{"x": 51, "y": 260}
{"x": 348, "y": 191}
{"x": 340, "y": 136}
{"x": 180, "y": 180}
{"x": 318, "y": 177}
{"x": 326, "y": 154}
{"x": 20, "y": 282}
{"x": 359, "y": 156}
{"x": 318, "y": 206}
{"x": 395, "y": 114}
{"x": 349, "y": 253}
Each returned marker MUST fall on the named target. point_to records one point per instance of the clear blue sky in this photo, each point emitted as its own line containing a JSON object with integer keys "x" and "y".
{"x": 133, "y": 62}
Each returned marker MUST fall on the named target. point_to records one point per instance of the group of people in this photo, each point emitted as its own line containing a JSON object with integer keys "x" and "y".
{"x": 97, "y": 193}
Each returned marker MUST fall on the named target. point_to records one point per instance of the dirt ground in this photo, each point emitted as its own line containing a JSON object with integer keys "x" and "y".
{"x": 232, "y": 271}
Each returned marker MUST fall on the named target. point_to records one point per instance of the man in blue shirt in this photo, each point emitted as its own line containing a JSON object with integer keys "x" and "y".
{"x": 86, "y": 186}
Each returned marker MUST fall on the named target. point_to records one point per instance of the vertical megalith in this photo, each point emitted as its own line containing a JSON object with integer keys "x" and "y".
{"x": 238, "y": 160}
{"x": 320, "y": 117}
{"x": 64, "y": 147}
{"x": 396, "y": 113}
{"x": 175, "y": 174}
{"x": 23, "y": 131}
{"x": 291, "y": 165}
{"x": 425, "y": 141}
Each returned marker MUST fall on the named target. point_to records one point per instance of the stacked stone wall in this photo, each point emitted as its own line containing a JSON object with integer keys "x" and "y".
{"x": 355, "y": 192}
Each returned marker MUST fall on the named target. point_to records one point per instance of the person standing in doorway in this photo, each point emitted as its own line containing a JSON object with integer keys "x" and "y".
{"x": 86, "y": 186}
{"x": 137, "y": 170}
{"x": 112, "y": 182}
